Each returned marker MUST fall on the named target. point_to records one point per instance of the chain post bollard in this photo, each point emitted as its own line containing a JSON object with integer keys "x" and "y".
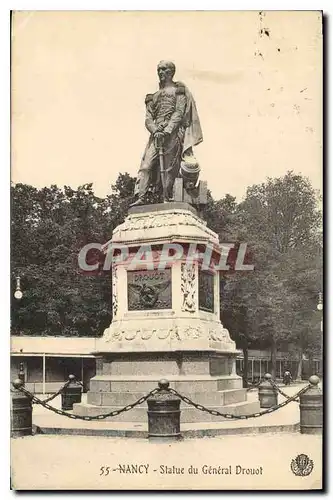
{"x": 268, "y": 395}
{"x": 21, "y": 414}
{"x": 311, "y": 408}
{"x": 21, "y": 373}
{"x": 71, "y": 394}
{"x": 164, "y": 414}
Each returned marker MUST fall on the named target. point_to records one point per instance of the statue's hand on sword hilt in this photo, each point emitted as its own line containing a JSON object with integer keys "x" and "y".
{"x": 159, "y": 140}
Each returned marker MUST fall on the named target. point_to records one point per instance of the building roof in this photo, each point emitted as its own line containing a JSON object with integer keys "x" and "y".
{"x": 53, "y": 345}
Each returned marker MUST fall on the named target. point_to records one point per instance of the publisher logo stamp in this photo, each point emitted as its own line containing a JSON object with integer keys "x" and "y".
{"x": 302, "y": 465}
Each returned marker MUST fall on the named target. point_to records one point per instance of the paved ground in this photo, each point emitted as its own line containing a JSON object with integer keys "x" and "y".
{"x": 76, "y": 462}
{"x": 245, "y": 461}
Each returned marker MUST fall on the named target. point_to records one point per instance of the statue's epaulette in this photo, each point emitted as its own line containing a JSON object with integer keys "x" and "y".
{"x": 149, "y": 97}
{"x": 180, "y": 89}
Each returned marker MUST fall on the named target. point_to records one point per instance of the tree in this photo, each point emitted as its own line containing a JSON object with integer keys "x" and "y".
{"x": 49, "y": 228}
{"x": 280, "y": 220}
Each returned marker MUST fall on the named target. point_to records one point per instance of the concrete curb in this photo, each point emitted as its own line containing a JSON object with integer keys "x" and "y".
{"x": 186, "y": 433}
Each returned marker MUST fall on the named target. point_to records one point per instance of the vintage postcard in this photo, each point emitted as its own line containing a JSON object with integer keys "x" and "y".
{"x": 166, "y": 250}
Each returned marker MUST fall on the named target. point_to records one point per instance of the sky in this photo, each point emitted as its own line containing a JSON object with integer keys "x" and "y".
{"x": 79, "y": 81}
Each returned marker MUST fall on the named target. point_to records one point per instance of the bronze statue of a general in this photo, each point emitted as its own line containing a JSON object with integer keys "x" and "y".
{"x": 174, "y": 126}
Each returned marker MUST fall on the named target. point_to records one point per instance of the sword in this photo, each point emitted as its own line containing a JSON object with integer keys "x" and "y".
{"x": 159, "y": 145}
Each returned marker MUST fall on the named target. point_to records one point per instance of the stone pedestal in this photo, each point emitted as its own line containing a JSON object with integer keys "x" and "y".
{"x": 165, "y": 318}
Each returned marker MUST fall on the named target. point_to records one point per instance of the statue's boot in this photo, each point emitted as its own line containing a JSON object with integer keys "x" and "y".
{"x": 139, "y": 201}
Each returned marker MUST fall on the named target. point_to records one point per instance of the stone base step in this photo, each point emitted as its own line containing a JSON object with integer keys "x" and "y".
{"x": 200, "y": 384}
{"x": 218, "y": 398}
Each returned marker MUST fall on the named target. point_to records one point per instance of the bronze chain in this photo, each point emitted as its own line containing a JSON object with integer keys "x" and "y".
{"x": 185, "y": 399}
{"x": 113, "y": 413}
{"x": 280, "y": 390}
{"x": 47, "y": 400}
{"x": 216, "y": 413}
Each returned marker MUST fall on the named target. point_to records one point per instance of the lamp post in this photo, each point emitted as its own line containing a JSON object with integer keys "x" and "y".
{"x": 18, "y": 296}
{"x": 18, "y": 292}
{"x": 320, "y": 308}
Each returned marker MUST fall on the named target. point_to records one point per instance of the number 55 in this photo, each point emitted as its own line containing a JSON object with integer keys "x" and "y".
{"x": 104, "y": 471}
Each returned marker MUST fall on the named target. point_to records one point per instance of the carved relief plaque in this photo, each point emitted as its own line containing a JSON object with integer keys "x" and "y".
{"x": 188, "y": 288}
{"x": 114, "y": 291}
{"x": 149, "y": 289}
{"x": 206, "y": 291}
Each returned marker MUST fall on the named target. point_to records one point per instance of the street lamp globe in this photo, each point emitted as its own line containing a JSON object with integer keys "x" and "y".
{"x": 18, "y": 294}
{"x": 320, "y": 302}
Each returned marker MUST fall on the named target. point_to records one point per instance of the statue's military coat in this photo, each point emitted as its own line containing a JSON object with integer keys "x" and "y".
{"x": 173, "y": 111}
